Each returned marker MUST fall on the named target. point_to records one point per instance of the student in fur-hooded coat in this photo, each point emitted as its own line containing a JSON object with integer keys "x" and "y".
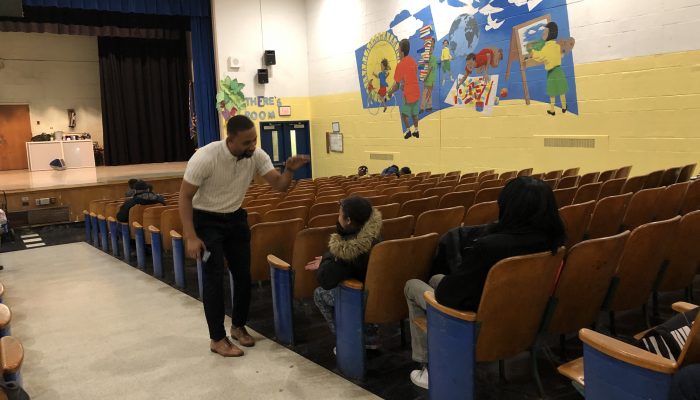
{"x": 358, "y": 230}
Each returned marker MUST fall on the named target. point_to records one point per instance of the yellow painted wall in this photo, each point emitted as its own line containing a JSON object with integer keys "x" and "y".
{"x": 642, "y": 111}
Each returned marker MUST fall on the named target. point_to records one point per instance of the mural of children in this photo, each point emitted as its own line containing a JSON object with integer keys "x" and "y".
{"x": 445, "y": 58}
{"x": 549, "y": 52}
{"x": 427, "y": 98}
{"x": 406, "y": 78}
{"x": 383, "y": 85}
{"x": 370, "y": 90}
{"x": 489, "y": 57}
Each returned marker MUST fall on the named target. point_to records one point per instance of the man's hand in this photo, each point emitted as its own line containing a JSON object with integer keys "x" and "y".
{"x": 313, "y": 265}
{"x": 195, "y": 248}
{"x": 294, "y": 163}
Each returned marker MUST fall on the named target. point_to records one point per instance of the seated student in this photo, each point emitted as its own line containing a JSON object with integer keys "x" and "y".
{"x": 391, "y": 170}
{"x": 131, "y": 191}
{"x": 528, "y": 222}
{"x": 142, "y": 194}
{"x": 686, "y": 384}
{"x": 362, "y": 172}
{"x": 405, "y": 171}
{"x": 668, "y": 338}
{"x": 358, "y": 230}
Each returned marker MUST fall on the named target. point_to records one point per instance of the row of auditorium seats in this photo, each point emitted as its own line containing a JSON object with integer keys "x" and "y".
{"x": 289, "y": 229}
{"x": 11, "y": 349}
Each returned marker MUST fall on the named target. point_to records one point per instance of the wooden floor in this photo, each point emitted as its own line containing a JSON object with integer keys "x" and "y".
{"x": 24, "y": 180}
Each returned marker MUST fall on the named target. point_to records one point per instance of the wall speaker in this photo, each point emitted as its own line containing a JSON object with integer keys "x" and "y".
{"x": 58, "y": 164}
{"x": 270, "y": 57}
{"x": 263, "y": 76}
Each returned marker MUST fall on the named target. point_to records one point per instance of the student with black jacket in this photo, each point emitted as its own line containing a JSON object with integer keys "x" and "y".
{"x": 528, "y": 223}
{"x": 358, "y": 230}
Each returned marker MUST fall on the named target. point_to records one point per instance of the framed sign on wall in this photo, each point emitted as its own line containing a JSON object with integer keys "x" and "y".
{"x": 334, "y": 142}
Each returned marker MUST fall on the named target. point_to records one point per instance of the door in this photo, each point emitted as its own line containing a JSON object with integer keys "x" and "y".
{"x": 15, "y": 131}
{"x": 282, "y": 140}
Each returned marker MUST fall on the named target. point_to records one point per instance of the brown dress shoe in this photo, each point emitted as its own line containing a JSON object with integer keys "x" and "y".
{"x": 225, "y": 348}
{"x": 243, "y": 337}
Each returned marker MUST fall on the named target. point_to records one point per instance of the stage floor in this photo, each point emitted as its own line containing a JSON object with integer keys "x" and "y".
{"x": 24, "y": 180}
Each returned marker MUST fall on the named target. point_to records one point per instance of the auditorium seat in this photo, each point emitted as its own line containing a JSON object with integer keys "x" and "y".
{"x": 686, "y": 173}
{"x": 484, "y": 173}
{"x": 465, "y": 199}
{"x": 623, "y": 172}
{"x": 11, "y": 357}
{"x": 291, "y": 281}
{"x": 570, "y": 172}
{"x": 654, "y": 179}
{"x": 482, "y": 213}
{"x": 575, "y": 218}
{"x": 299, "y": 197}
{"x": 568, "y": 182}
{"x": 380, "y": 300}
{"x": 422, "y": 187}
{"x": 330, "y": 198}
{"x": 437, "y": 191}
{"x": 276, "y": 238}
{"x": 612, "y": 187}
{"x": 390, "y": 210}
{"x": 324, "y": 208}
{"x": 394, "y": 190}
{"x": 564, "y": 197}
{"x": 323, "y": 220}
{"x": 466, "y": 187}
{"x": 591, "y": 177}
{"x": 506, "y": 324}
{"x": 295, "y": 203}
{"x": 467, "y": 179}
{"x": 683, "y": 257}
{"x": 453, "y": 173}
{"x": 587, "y": 193}
{"x": 634, "y": 184}
{"x": 641, "y": 208}
{"x": 607, "y": 216}
{"x": 525, "y": 172}
{"x": 670, "y": 201}
{"x": 378, "y": 200}
{"x": 613, "y": 367}
{"x": 263, "y": 202}
{"x": 487, "y": 177}
{"x": 556, "y": 174}
{"x": 506, "y": 176}
{"x": 583, "y": 284}
{"x": 691, "y": 201}
{"x": 439, "y": 221}
{"x": 492, "y": 183}
{"x": 639, "y": 267}
{"x": 418, "y": 206}
{"x": 552, "y": 183}
{"x": 487, "y": 194}
{"x": 283, "y": 214}
{"x": 5, "y": 320}
{"x": 397, "y": 228}
{"x": 670, "y": 176}
{"x": 403, "y": 197}
{"x": 607, "y": 175}
{"x": 262, "y": 210}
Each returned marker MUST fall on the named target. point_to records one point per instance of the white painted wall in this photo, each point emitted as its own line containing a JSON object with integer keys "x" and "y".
{"x": 604, "y": 30}
{"x": 245, "y": 28}
{"x": 53, "y": 73}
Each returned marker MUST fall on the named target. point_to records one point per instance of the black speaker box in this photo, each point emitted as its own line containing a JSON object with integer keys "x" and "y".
{"x": 262, "y": 76}
{"x": 270, "y": 57}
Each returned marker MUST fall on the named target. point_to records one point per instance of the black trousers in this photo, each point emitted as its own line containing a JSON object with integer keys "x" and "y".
{"x": 225, "y": 235}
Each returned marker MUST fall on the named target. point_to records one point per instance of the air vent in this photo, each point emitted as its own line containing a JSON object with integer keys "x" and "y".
{"x": 569, "y": 142}
{"x": 381, "y": 156}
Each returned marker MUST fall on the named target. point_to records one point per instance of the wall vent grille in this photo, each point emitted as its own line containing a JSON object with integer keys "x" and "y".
{"x": 381, "y": 156}
{"x": 569, "y": 142}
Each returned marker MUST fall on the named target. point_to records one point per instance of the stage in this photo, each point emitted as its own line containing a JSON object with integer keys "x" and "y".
{"x": 69, "y": 192}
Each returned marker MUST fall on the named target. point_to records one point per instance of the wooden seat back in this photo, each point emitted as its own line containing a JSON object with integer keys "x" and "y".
{"x": 654, "y": 179}
{"x": 570, "y": 172}
{"x": 642, "y": 258}
{"x": 323, "y": 208}
{"x": 691, "y": 201}
{"x": 556, "y": 174}
{"x": 575, "y": 218}
{"x": 397, "y": 228}
{"x": 591, "y": 177}
{"x": 509, "y": 320}
{"x": 403, "y": 197}
{"x": 466, "y": 187}
{"x": 623, "y": 172}
{"x": 686, "y": 173}
{"x": 387, "y": 275}
{"x": 641, "y": 208}
{"x": 508, "y": 175}
{"x": 525, "y": 172}
{"x": 390, "y": 210}
{"x": 488, "y": 194}
{"x": 309, "y": 244}
{"x": 587, "y": 193}
{"x": 684, "y": 256}
{"x": 170, "y": 221}
{"x": 395, "y": 189}
{"x": 607, "y": 175}
{"x": 584, "y": 282}
{"x": 454, "y": 199}
{"x": 670, "y": 201}
{"x": 608, "y": 215}
{"x": 419, "y": 206}
{"x": 670, "y": 176}
{"x": 295, "y": 203}
{"x": 564, "y": 197}
{"x": 481, "y": 213}
{"x": 634, "y": 184}
{"x": 568, "y": 182}
{"x": 437, "y": 191}
{"x": 276, "y": 238}
{"x": 612, "y": 187}
{"x": 439, "y": 221}
{"x": 283, "y": 214}
{"x": 379, "y": 200}
{"x": 323, "y": 220}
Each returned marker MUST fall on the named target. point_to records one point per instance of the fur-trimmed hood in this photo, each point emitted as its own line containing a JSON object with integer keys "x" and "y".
{"x": 351, "y": 247}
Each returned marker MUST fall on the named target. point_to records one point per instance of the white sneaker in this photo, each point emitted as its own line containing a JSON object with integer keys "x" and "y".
{"x": 419, "y": 377}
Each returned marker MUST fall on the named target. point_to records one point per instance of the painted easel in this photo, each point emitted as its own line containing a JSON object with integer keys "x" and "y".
{"x": 516, "y": 52}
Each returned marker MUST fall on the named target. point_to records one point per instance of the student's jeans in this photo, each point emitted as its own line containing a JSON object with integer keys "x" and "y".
{"x": 224, "y": 235}
{"x": 414, "y": 290}
{"x": 325, "y": 301}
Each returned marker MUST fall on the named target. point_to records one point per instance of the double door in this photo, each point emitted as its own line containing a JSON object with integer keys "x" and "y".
{"x": 282, "y": 140}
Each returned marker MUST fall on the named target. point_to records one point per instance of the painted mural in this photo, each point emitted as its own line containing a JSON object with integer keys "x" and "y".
{"x": 472, "y": 54}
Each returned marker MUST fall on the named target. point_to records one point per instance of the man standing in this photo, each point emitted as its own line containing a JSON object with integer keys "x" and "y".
{"x": 214, "y": 226}
{"x": 406, "y": 77}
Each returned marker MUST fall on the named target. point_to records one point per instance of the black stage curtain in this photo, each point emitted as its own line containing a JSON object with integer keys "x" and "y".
{"x": 144, "y": 100}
